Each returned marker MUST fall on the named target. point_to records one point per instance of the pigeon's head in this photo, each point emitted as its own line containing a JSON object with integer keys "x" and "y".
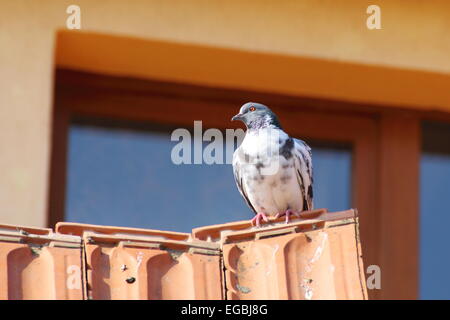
{"x": 257, "y": 116}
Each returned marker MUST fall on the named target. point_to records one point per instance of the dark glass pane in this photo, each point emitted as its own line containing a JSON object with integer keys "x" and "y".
{"x": 434, "y": 212}
{"x": 124, "y": 176}
{"x": 332, "y": 175}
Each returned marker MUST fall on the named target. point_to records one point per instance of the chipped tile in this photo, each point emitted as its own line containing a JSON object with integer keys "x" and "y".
{"x": 159, "y": 264}
{"x": 314, "y": 257}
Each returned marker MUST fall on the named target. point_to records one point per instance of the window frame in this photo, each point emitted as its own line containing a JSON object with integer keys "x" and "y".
{"x": 384, "y": 204}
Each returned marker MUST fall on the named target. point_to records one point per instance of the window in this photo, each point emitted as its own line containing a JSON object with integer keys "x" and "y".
{"x": 101, "y": 174}
{"x": 434, "y": 211}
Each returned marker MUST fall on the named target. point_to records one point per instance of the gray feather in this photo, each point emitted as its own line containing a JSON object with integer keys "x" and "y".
{"x": 291, "y": 186}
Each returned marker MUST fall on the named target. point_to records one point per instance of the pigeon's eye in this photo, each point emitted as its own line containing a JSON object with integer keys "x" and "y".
{"x": 252, "y": 108}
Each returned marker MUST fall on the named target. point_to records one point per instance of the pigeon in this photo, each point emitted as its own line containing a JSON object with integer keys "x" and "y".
{"x": 273, "y": 172}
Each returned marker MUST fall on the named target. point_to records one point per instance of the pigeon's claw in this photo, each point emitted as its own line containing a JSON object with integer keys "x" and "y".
{"x": 257, "y": 219}
{"x": 288, "y": 214}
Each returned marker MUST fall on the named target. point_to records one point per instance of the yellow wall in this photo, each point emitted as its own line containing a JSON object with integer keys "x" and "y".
{"x": 415, "y": 35}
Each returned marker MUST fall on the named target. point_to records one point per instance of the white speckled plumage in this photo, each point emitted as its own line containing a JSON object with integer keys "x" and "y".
{"x": 273, "y": 171}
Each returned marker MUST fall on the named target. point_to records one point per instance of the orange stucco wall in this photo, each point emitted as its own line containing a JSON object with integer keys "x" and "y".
{"x": 309, "y": 37}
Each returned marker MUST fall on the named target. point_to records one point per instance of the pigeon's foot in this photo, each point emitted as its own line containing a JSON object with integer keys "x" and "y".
{"x": 257, "y": 219}
{"x": 288, "y": 214}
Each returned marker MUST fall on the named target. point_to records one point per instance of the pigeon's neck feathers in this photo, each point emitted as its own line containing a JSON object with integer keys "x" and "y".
{"x": 263, "y": 141}
{"x": 268, "y": 121}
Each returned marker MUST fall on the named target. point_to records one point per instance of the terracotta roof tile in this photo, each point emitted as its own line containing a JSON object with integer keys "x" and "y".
{"x": 127, "y": 263}
{"x": 316, "y": 256}
{"x": 36, "y": 263}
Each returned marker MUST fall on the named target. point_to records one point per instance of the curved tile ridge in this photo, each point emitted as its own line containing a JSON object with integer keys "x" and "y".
{"x": 317, "y": 258}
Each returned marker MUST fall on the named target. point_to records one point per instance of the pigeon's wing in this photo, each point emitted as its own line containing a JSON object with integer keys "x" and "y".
{"x": 237, "y": 170}
{"x": 303, "y": 166}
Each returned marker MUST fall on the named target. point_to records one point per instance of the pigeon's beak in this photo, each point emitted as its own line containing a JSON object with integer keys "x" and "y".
{"x": 237, "y": 117}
